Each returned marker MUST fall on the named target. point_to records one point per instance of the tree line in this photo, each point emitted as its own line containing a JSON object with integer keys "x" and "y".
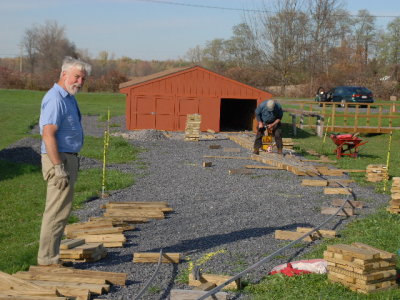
{"x": 283, "y": 44}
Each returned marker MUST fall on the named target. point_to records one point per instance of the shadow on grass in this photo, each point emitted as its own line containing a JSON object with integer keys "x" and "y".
{"x": 10, "y": 170}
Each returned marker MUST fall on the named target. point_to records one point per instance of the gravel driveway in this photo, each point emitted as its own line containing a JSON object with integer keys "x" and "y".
{"x": 235, "y": 215}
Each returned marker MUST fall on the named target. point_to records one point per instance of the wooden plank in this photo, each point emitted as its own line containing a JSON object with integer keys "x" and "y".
{"x": 5, "y": 296}
{"x": 177, "y": 294}
{"x": 348, "y": 211}
{"x": 53, "y": 292}
{"x": 93, "y": 231}
{"x": 207, "y": 164}
{"x": 158, "y": 215}
{"x": 71, "y": 243}
{"x": 291, "y": 235}
{"x": 319, "y": 233}
{"x": 382, "y": 254}
{"x": 364, "y": 254}
{"x": 231, "y": 149}
{"x": 126, "y": 219}
{"x": 8, "y": 282}
{"x": 63, "y": 277}
{"x": 337, "y": 191}
{"x": 240, "y": 172}
{"x": 335, "y": 182}
{"x": 350, "y": 203}
{"x": 111, "y": 277}
{"x": 263, "y": 167}
{"x": 312, "y": 182}
{"x": 227, "y": 157}
{"x": 104, "y": 238}
{"x": 74, "y": 286}
{"x": 206, "y": 286}
{"x": 214, "y": 146}
{"x": 214, "y": 278}
{"x": 149, "y": 257}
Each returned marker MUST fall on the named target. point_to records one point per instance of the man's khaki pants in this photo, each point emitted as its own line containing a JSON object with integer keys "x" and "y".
{"x": 57, "y": 210}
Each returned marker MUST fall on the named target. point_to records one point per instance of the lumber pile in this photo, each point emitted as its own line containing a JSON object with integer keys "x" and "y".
{"x": 57, "y": 283}
{"x": 135, "y": 211}
{"x": 78, "y": 250}
{"x": 99, "y": 231}
{"x": 300, "y": 231}
{"x": 395, "y": 201}
{"x": 192, "y": 129}
{"x": 360, "y": 267}
{"x": 376, "y": 173}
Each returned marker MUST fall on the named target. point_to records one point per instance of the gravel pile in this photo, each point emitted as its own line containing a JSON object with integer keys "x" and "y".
{"x": 228, "y": 219}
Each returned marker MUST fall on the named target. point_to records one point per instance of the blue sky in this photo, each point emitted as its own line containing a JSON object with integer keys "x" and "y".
{"x": 140, "y": 29}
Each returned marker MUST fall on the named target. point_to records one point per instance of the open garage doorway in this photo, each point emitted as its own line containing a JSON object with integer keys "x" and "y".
{"x": 237, "y": 114}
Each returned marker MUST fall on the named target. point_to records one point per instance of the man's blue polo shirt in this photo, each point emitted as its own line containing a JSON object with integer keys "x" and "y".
{"x": 61, "y": 109}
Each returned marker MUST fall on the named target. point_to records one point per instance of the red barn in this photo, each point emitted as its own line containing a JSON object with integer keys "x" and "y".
{"x": 161, "y": 101}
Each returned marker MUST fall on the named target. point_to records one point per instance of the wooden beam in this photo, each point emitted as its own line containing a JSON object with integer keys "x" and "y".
{"x": 149, "y": 257}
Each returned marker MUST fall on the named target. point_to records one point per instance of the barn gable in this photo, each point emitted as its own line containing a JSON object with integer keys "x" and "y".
{"x": 162, "y": 100}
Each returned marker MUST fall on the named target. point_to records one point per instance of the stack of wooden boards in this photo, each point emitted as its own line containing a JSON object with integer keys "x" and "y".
{"x": 99, "y": 231}
{"x": 192, "y": 130}
{"x": 395, "y": 202}
{"x": 77, "y": 250}
{"x": 135, "y": 212}
{"x": 86, "y": 241}
{"x": 57, "y": 283}
{"x": 360, "y": 267}
{"x": 377, "y": 173}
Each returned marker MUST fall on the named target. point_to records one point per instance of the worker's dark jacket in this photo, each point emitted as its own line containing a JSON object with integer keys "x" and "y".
{"x": 268, "y": 117}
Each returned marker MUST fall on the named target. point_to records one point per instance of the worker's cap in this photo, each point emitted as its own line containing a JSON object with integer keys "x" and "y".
{"x": 270, "y": 105}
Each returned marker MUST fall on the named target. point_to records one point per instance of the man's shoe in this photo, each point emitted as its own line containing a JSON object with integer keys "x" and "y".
{"x": 256, "y": 151}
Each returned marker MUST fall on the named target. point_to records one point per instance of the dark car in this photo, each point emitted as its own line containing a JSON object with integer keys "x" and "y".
{"x": 349, "y": 94}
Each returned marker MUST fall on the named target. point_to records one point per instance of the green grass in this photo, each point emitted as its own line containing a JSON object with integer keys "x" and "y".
{"x": 20, "y": 110}
{"x": 119, "y": 151}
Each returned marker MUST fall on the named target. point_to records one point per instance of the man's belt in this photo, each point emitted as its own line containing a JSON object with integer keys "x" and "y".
{"x": 72, "y": 153}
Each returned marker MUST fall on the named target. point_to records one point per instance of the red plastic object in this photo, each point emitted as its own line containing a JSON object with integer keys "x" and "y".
{"x": 290, "y": 271}
{"x": 346, "y": 145}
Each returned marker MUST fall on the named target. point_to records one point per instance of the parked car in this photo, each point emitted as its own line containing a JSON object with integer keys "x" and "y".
{"x": 350, "y": 94}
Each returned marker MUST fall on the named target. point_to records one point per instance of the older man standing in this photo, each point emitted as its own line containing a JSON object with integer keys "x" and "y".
{"x": 269, "y": 115}
{"x": 62, "y": 139}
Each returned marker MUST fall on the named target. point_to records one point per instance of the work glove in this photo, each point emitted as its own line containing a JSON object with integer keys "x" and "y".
{"x": 61, "y": 177}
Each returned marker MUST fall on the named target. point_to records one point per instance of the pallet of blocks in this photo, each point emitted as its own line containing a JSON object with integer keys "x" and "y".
{"x": 126, "y": 211}
{"x": 395, "y": 201}
{"x": 99, "y": 231}
{"x": 361, "y": 268}
{"x": 192, "y": 130}
{"x": 57, "y": 283}
{"x": 78, "y": 250}
{"x": 376, "y": 173}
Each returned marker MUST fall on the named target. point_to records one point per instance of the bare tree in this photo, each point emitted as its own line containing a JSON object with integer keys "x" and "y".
{"x": 281, "y": 36}
{"x": 30, "y": 45}
{"x": 364, "y": 34}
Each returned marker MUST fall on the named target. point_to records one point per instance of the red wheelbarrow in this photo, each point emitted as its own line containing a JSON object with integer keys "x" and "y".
{"x": 347, "y": 144}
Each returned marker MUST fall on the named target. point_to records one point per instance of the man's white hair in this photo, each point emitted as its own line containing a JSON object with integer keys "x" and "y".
{"x": 70, "y": 62}
{"x": 270, "y": 105}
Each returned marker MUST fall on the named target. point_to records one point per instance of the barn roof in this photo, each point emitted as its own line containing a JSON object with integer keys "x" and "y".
{"x": 151, "y": 77}
{"x": 176, "y": 71}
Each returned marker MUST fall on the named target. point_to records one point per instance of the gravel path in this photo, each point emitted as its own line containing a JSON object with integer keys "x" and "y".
{"x": 235, "y": 215}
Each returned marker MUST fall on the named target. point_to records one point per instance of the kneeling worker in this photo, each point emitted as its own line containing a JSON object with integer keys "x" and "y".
{"x": 269, "y": 115}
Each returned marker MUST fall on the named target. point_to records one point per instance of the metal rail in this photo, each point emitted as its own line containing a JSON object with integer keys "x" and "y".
{"x": 266, "y": 259}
